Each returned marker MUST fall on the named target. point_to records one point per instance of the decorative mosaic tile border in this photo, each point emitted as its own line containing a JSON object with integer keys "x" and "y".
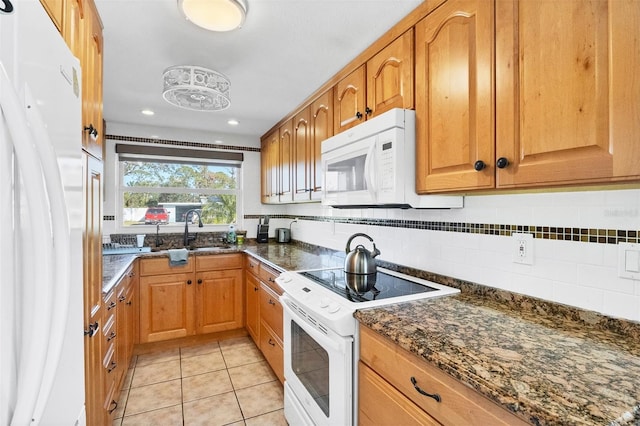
{"x": 584, "y": 235}
{"x": 181, "y": 143}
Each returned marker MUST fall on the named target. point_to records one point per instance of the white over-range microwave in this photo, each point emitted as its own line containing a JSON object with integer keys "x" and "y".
{"x": 373, "y": 165}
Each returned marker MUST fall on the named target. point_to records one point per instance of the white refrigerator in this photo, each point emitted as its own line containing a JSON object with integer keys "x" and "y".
{"x": 41, "y": 218}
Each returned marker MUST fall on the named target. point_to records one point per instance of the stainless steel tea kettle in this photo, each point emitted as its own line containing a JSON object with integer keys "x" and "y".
{"x": 360, "y": 260}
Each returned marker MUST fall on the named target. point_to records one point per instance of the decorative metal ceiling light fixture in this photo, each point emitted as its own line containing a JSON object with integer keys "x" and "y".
{"x": 196, "y": 88}
{"x": 215, "y": 15}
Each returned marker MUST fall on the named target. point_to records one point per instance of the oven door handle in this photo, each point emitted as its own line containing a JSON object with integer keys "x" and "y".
{"x": 337, "y": 344}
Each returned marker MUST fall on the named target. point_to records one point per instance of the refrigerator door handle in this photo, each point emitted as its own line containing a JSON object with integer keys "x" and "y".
{"x": 35, "y": 337}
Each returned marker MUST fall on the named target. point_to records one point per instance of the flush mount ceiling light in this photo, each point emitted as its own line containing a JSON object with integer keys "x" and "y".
{"x": 215, "y": 15}
{"x": 196, "y": 88}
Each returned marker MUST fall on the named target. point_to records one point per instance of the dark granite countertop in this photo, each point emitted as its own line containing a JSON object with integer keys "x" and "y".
{"x": 548, "y": 370}
{"x": 548, "y": 363}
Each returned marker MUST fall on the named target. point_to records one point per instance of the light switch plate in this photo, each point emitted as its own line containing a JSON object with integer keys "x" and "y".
{"x": 629, "y": 261}
{"x": 522, "y": 248}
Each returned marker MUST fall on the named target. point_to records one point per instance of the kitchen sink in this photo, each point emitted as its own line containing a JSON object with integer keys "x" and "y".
{"x": 212, "y": 248}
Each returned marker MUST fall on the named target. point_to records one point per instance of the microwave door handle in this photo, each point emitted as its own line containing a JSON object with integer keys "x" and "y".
{"x": 369, "y": 177}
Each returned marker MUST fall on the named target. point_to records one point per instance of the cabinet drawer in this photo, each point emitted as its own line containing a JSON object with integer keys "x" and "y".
{"x": 160, "y": 265}
{"x": 379, "y": 403}
{"x": 271, "y": 309}
{"x": 459, "y": 403}
{"x": 268, "y": 275}
{"x": 218, "y": 262}
{"x": 252, "y": 265}
{"x": 272, "y": 350}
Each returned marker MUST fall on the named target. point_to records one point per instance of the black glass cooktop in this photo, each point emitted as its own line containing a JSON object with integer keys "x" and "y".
{"x": 385, "y": 286}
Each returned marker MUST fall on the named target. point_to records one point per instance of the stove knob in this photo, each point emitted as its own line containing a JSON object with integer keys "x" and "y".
{"x": 333, "y": 308}
{"x": 324, "y": 303}
{"x": 285, "y": 278}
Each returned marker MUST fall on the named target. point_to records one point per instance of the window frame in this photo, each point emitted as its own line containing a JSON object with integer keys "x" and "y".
{"x": 175, "y": 227}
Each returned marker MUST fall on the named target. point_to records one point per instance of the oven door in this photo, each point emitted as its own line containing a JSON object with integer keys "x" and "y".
{"x": 318, "y": 372}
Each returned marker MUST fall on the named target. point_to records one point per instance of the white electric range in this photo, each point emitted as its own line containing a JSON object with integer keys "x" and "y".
{"x": 321, "y": 338}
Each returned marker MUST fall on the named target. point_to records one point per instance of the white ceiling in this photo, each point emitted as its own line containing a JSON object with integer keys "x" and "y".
{"x": 285, "y": 51}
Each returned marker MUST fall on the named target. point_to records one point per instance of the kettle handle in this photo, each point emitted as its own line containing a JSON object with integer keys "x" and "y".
{"x": 348, "y": 249}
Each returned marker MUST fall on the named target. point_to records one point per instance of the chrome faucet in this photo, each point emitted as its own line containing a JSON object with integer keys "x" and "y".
{"x": 188, "y": 238}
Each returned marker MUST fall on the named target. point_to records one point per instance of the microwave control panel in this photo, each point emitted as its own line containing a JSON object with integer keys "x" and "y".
{"x": 386, "y": 162}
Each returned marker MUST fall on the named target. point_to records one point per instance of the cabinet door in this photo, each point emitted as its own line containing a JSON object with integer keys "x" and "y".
{"x": 454, "y": 97}
{"x": 72, "y": 27}
{"x": 390, "y": 76}
{"x": 166, "y": 307}
{"x": 379, "y": 403}
{"x": 91, "y": 63}
{"x": 55, "y": 9}
{"x": 285, "y": 162}
{"x": 349, "y": 100}
{"x": 269, "y": 166}
{"x": 126, "y": 319}
{"x": 252, "y": 306}
{"x": 219, "y": 301}
{"x": 321, "y": 116}
{"x": 301, "y": 156}
{"x": 567, "y": 105}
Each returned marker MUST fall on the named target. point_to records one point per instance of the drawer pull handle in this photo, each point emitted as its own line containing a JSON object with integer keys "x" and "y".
{"x": 420, "y": 391}
{"x": 271, "y": 280}
{"x": 121, "y": 299}
{"x": 271, "y": 342}
{"x": 92, "y": 330}
{"x": 271, "y": 302}
{"x": 113, "y": 406}
{"x": 111, "y": 306}
{"x": 112, "y": 366}
{"x": 111, "y": 336}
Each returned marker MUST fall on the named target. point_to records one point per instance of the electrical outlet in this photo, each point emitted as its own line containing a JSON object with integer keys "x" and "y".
{"x": 522, "y": 248}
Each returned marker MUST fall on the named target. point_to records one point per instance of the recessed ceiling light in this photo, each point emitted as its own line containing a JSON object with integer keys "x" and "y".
{"x": 217, "y": 141}
{"x": 147, "y": 112}
{"x": 233, "y": 122}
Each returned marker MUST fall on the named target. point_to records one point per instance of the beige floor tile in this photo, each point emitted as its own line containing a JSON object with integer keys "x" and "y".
{"x": 236, "y": 342}
{"x": 274, "y": 418}
{"x": 169, "y": 355}
{"x": 153, "y": 397}
{"x": 190, "y": 351}
{"x": 169, "y": 416}
{"x": 242, "y": 355}
{"x": 205, "y": 385}
{"x": 122, "y": 403}
{"x": 202, "y": 364}
{"x": 216, "y": 410}
{"x": 126, "y": 382}
{"x": 251, "y": 375}
{"x": 261, "y": 399}
{"x": 118, "y": 422}
{"x": 240, "y": 423}
{"x": 156, "y": 373}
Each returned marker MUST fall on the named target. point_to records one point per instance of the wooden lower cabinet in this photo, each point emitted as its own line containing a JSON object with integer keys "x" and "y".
{"x": 381, "y": 403}
{"x": 388, "y": 371}
{"x": 203, "y": 296}
{"x": 264, "y": 316}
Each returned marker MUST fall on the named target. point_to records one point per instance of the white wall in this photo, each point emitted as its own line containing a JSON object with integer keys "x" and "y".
{"x": 574, "y": 273}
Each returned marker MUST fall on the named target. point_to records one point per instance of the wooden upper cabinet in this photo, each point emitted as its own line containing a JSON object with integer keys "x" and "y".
{"x": 349, "y": 100}
{"x": 454, "y": 97}
{"x": 567, "y": 110}
{"x": 390, "y": 76}
{"x": 55, "y": 9}
{"x": 269, "y": 166}
{"x": 301, "y": 156}
{"x": 72, "y": 31}
{"x": 285, "y": 160}
{"x": 91, "y": 63}
{"x": 321, "y": 116}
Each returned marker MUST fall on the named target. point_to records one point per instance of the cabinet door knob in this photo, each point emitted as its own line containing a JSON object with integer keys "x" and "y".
{"x": 359, "y": 115}
{"x": 435, "y": 396}
{"x": 502, "y": 163}
{"x": 271, "y": 342}
{"x": 271, "y": 302}
{"x": 199, "y": 281}
{"x": 368, "y": 111}
{"x": 255, "y": 288}
{"x": 479, "y": 165}
{"x": 188, "y": 282}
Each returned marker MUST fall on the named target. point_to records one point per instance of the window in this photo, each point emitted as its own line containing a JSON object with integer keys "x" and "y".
{"x": 162, "y": 190}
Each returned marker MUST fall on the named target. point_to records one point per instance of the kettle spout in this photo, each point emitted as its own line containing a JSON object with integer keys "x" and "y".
{"x": 375, "y": 251}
